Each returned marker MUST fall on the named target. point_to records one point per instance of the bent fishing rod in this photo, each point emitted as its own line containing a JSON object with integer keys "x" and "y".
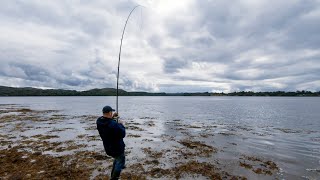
{"x": 124, "y": 29}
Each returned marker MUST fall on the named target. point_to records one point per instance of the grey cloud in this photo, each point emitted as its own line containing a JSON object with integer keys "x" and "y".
{"x": 184, "y": 88}
{"x": 43, "y": 76}
{"x": 36, "y": 12}
{"x": 172, "y": 65}
{"x": 132, "y": 84}
{"x": 227, "y": 22}
{"x": 305, "y": 33}
{"x": 75, "y": 82}
{"x": 99, "y": 69}
{"x": 232, "y": 34}
{"x": 204, "y": 42}
{"x": 276, "y": 29}
{"x": 25, "y": 71}
{"x": 154, "y": 41}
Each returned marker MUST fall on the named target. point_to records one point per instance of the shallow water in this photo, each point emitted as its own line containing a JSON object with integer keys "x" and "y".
{"x": 283, "y": 129}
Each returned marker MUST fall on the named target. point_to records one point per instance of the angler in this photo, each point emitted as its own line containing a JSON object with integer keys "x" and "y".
{"x": 111, "y": 129}
{"x": 112, "y": 134}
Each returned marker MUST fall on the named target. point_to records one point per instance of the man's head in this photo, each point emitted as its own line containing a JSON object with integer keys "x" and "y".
{"x": 107, "y": 111}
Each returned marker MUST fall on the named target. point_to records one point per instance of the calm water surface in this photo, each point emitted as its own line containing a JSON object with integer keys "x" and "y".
{"x": 284, "y": 129}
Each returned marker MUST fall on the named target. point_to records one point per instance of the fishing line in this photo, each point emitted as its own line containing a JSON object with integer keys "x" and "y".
{"x": 124, "y": 28}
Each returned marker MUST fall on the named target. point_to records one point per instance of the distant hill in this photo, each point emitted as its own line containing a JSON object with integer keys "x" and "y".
{"x": 103, "y": 92}
{"x": 29, "y": 91}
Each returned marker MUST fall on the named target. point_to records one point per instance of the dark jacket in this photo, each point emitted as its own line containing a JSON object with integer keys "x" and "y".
{"x": 112, "y": 134}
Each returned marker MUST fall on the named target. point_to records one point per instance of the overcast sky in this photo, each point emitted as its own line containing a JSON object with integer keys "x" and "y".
{"x": 169, "y": 46}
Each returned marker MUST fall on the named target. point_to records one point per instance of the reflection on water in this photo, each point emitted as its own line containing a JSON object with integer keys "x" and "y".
{"x": 284, "y": 129}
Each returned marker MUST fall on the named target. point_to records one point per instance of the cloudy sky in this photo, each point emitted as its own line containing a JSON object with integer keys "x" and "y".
{"x": 169, "y": 46}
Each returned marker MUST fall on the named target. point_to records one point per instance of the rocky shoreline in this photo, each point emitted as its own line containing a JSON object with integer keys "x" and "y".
{"x": 42, "y": 144}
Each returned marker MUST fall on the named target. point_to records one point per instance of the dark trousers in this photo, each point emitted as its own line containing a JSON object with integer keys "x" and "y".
{"x": 118, "y": 165}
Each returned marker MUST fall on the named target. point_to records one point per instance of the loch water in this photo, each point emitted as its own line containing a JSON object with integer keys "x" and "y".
{"x": 284, "y": 129}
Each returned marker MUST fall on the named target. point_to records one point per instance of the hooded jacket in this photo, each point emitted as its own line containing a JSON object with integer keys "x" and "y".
{"x": 112, "y": 134}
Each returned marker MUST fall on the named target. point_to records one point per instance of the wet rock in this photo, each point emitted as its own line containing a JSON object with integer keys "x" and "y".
{"x": 200, "y": 148}
{"x": 245, "y": 165}
{"x": 153, "y": 154}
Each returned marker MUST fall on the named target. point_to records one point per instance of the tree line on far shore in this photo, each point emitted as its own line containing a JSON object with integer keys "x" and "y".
{"x": 27, "y": 91}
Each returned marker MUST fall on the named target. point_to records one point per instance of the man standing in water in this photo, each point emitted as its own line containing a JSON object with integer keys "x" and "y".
{"x": 112, "y": 134}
